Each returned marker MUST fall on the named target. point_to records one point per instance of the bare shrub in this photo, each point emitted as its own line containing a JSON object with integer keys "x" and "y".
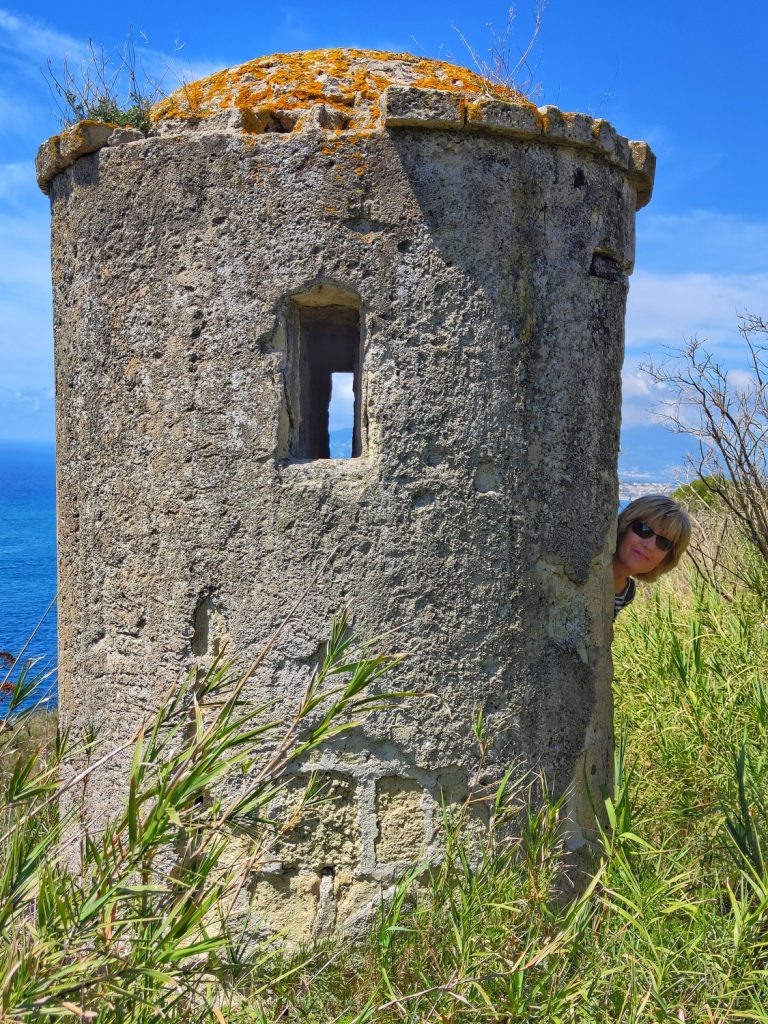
{"x": 507, "y": 65}
{"x": 727, "y": 414}
{"x": 718, "y": 550}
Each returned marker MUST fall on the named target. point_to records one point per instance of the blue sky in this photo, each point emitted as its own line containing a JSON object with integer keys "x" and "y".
{"x": 685, "y": 76}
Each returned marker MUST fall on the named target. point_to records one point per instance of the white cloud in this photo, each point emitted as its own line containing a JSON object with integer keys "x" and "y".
{"x": 292, "y": 28}
{"x": 726, "y": 261}
{"x": 32, "y": 38}
{"x": 666, "y": 311}
{"x": 23, "y": 116}
{"x": 26, "y": 344}
{"x": 25, "y": 283}
{"x": 26, "y": 47}
{"x": 27, "y": 107}
{"x": 669, "y": 309}
{"x": 28, "y": 115}
{"x": 741, "y": 380}
{"x": 14, "y": 178}
{"x": 24, "y": 258}
{"x": 640, "y": 396}
{"x": 26, "y": 413}
{"x": 636, "y": 384}
{"x": 704, "y": 241}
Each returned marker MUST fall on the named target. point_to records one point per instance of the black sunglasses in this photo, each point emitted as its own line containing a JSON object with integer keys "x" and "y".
{"x": 643, "y": 530}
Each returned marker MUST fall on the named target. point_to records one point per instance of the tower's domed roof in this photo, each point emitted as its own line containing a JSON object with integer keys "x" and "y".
{"x": 346, "y": 84}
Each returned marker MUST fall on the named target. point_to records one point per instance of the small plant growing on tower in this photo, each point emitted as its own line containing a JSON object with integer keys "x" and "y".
{"x": 506, "y": 64}
{"x": 103, "y": 88}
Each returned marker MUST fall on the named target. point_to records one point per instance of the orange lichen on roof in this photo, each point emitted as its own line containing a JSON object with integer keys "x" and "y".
{"x": 348, "y": 83}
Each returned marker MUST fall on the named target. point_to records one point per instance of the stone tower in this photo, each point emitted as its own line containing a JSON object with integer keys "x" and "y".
{"x": 464, "y": 256}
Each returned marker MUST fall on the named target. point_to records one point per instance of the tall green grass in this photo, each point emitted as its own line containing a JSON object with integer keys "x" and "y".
{"x": 691, "y": 689}
{"x": 138, "y": 918}
{"x": 668, "y": 920}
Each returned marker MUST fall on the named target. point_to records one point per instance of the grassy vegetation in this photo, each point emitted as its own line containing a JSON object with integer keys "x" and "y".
{"x": 139, "y": 918}
{"x": 672, "y": 925}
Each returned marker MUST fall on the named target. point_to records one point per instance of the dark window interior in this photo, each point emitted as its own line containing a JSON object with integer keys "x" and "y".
{"x": 329, "y": 342}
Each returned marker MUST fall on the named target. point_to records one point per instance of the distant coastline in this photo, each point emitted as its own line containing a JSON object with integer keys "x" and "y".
{"x": 631, "y": 489}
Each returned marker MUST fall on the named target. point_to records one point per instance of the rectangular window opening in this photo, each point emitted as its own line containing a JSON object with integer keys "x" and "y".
{"x": 328, "y": 365}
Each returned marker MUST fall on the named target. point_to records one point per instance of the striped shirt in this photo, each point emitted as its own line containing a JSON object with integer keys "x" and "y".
{"x": 624, "y": 597}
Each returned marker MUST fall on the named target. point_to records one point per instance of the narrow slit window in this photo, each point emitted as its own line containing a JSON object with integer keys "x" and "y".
{"x": 326, "y": 420}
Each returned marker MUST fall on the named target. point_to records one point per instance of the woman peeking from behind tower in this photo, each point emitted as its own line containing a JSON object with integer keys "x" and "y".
{"x": 651, "y": 536}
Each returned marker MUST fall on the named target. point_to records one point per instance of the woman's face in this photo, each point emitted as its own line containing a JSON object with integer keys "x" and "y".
{"x": 638, "y": 555}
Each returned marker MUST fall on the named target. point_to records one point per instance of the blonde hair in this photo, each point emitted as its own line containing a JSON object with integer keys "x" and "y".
{"x": 664, "y": 516}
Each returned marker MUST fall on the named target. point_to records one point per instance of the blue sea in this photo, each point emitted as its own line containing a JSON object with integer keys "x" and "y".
{"x": 27, "y": 562}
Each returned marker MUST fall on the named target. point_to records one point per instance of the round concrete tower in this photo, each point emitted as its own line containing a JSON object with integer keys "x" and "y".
{"x": 463, "y": 256}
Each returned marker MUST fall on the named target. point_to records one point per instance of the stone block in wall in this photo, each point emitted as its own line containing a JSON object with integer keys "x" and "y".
{"x": 643, "y": 164}
{"x": 569, "y": 128}
{"x": 49, "y": 162}
{"x": 326, "y": 830}
{"x": 464, "y": 809}
{"x": 404, "y": 106}
{"x": 61, "y": 151}
{"x": 122, "y": 136}
{"x": 608, "y": 140}
{"x": 520, "y": 119}
{"x": 400, "y": 819}
{"x": 354, "y": 895}
{"x": 286, "y": 904}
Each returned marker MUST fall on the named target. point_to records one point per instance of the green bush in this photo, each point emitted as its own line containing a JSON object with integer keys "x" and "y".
{"x": 697, "y": 494}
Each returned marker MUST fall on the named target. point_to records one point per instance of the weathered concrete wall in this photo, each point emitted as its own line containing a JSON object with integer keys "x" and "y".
{"x": 486, "y": 246}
